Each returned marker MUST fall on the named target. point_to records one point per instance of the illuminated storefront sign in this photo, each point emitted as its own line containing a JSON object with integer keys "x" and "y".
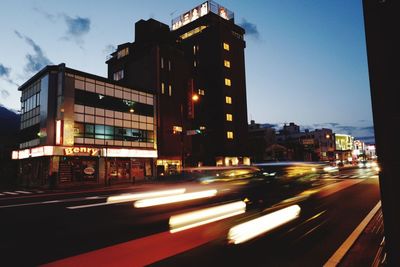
{"x": 81, "y": 150}
{"x": 129, "y": 153}
{"x": 200, "y": 11}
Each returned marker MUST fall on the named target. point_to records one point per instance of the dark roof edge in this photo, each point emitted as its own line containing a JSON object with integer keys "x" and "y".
{"x": 61, "y": 66}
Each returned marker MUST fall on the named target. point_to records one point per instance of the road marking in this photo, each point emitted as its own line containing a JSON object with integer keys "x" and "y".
{"x": 1, "y": 194}
{"x": 335, "y": 259}
{"x": 49, "y": 202}
{"x": 10, "y": 193}
{"x": 24, "y": 192}
{"x": 88, "y": 205}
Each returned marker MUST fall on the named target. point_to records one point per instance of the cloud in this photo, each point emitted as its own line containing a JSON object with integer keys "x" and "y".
{"x": 250, "y": 28}
{"x": 47, "y": 15}
{"x": 76, "y": 28}
{"x": 109, "y": 49}
{"x": 4, "y": 93}
{"x": 37, "y": 60}
{"x": 4, "y": 71}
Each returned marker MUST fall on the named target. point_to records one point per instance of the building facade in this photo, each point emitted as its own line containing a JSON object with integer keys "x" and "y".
{"x": 197, "y": 71}
{"x": 81, "y": 128}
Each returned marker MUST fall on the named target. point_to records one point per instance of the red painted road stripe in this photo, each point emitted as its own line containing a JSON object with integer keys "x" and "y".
{"x": 146, "y": 250}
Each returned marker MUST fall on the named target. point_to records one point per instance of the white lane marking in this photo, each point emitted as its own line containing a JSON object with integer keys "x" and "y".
{"x": 1, "y": 194}
{"x": 51, "y": 202}
{"x": 335, "y": 259}
{"x": 24, "y": 192}
{"x": 95, "y": 197}
{"x": 89, "y": 205}
{"x": 10, "y": 193}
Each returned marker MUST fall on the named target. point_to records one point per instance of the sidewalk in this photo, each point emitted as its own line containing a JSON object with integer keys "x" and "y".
{"x": 367, "y": 249}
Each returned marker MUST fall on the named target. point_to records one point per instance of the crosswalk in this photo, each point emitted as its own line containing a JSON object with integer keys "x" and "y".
{"x": 20, "y": 192}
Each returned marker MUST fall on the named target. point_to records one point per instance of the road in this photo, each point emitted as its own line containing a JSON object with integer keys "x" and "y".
{"x": 67, "y": 229}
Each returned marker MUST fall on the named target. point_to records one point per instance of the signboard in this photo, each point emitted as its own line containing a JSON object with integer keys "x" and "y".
{"x": 81, "y": 151}
{"x": 190, "y": 16}
{"x": 190, "y": 99}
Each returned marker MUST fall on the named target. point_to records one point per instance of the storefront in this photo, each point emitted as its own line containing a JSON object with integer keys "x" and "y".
{"x": 58, "y": 165}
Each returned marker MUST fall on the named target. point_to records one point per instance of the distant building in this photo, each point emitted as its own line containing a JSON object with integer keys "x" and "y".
{"x": 261, "y": 141}
{"x": 81, "y": 128}
{"x": 344, "y": 145}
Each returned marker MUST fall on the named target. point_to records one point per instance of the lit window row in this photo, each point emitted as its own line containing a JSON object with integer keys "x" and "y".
{"x": 163, "y": 89}
{"x": 119, "y": 75}
{"x": 162, "y": 63}
{"x": 228, "y": 82}
{"x": 229, "y": 117}
{"x": 123, "y": 52}
{"x": 229, "y": 135}
{"x": 228, "y": 100}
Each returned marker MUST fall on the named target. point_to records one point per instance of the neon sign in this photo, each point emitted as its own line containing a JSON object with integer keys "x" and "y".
{"x": 78, "y": 150}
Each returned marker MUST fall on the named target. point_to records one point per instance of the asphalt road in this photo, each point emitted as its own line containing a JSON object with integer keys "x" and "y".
{"x": 67, "y": 229}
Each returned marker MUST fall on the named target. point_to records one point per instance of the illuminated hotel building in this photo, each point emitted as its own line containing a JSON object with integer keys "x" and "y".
{"x": 83, "y": 128}
{"x": 203, "y": 55}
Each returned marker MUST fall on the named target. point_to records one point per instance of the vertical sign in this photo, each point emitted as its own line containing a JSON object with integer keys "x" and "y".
{"x": 190, "y": 100}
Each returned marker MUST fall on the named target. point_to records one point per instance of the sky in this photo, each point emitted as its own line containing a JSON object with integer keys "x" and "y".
{"x": 305, "y": 59}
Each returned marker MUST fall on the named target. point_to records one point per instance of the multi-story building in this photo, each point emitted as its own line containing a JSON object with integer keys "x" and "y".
{"x": 81, "y": 128}
{"x": 324, "y": 141}
{"x": 202, "y": 57}
{"x": 344, "y": 145}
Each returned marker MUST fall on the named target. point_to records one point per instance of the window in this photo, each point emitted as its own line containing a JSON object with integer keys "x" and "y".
{"x": 170, "y": 90}
{"x": 228, "y": 100}
{"x": 162, "y": 63}
{"x": 162, "y": 88}
{"x": 229, "y": 117}
{"x": 169, "y": 64}
{"x": 119, "y": 75}
{"x": 227, "y": 82}
{"x": 229, "y": 135}
{"x": 227, "y": 63}
{"x": 226, "y": 46}
{"x": 194, "y": 63}
{"x": 123, "y": 52}
{"x": 201, "y": 92}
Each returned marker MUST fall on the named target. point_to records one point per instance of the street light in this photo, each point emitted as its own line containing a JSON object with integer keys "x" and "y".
{"x": 194, "y": 98}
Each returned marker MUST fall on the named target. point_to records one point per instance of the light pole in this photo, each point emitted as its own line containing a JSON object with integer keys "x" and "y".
{"x": 194, "y": 98}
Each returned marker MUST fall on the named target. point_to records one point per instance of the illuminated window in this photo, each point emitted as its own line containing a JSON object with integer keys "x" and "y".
{"x": 170, "y": 89}
{"x": 228, "y": 117}
{"x": 227, "y": 63}
{"x": 194, "y": 50}
{"x": 227, "y": 82}
{"x": 123, "y": 52}
{"x": 162, "y": 88}
{"x": 226, "y": 46}
{"x": 193, "y": 32}
{"x": 194, "y": 63}
{"x": 228, "y": 100}
{"x": 201, "y": 92}
{"x": 119, "y": 75}
{"x": 229, "y": 135}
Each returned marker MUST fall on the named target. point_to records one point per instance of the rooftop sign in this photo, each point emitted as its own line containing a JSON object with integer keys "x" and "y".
{"x": 200, "y": 11}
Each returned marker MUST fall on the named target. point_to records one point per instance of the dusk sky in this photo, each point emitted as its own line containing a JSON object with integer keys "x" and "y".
{"x": 305, "y": 59}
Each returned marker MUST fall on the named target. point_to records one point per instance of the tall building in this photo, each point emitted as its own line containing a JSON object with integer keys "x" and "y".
{"x": 81, "y": 128}
{"x": 197, "y": 71}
